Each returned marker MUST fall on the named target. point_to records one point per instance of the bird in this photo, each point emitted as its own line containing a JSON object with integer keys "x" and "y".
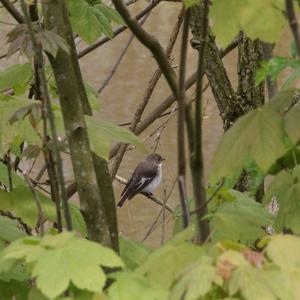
{"x": 145, "y": 178}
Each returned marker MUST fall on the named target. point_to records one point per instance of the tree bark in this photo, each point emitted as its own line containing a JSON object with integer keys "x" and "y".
{"x": 91, "y": 202}
{"x": 215, "y": 71}
{"x": 250, "y": 96}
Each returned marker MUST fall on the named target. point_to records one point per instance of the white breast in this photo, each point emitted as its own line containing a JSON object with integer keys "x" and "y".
{"x": 155, "y": 182}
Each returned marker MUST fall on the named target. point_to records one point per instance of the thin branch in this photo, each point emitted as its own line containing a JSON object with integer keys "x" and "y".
{"x": 24, "y": 226}
{"x": 118, "y": 61}
{"x": 151, "y": 197}
{"x": 199, "y": 209}
{"x": 197, "y": 163}
{"x": 150, "y": 88}
{"x": 165, "y": 104}
{"x": 117, "y": 31}
{"x": 41, "y": 172}
{"x": 293, "y": 23}
{"x": 181, "y": 122}
{"x": 154, "y": 224}
{"x": 13, "y": 11}
{"x": 116, "y": 65}
{"x": 44, "y": 89}
{"x": 41, "y": 218}
{"x": 151, "y": 43}
{"x": 9, "y": 170}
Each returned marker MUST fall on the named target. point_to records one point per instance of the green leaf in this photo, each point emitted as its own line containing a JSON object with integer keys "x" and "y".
{"x": 291, "y": 124}
{"x": 92, "y": 97}
{"x": 196, "y": 281}
{"x": 9, "y": 230}
{"x": 129, "y": 286}
{"x": 110, "y": 13}
{"x": 16, "y": 179}
{"x": 16, "y": 77}
{"x": 84, "y": 21}
{"x": 252, "y": 284}
{"x": 289, "y": 209}
{"x": 258, "y": 135}
{"x": 133, "y": 253}
{"x": 273, "y": 68}
{"x": 283, "y": 250}
{"x": 282, "y": 101}
{"x": 278, "y": 248}
{"x": 77, "y": 219}
{"x": 164, "y": 265}
{"x": 190, "y": 3}
{"x": 249, "y": 16}
{"x": 90, "y": 21}
{"x": 56, "y": 268}
{"x": 21, "y": 129}
{"x": 14, "y": 290}
{"x": 240, "y": 220}
{"x": 27, "y": 248}
{"x": 103, "y": 133}
{"x": 21, "y": 202}
{"x": 286, "y": 190}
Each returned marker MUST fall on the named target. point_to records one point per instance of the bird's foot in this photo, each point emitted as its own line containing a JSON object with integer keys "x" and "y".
{"x": 148, "y": 194}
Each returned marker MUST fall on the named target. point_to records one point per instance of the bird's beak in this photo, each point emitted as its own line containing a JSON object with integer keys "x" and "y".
{"x": 163, "y": 159}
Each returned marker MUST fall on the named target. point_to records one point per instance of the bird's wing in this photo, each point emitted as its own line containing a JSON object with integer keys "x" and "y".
{"x": 136, "y": 183}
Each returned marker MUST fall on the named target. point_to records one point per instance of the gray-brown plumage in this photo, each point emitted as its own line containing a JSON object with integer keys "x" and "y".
{"x": 145, "y": 178}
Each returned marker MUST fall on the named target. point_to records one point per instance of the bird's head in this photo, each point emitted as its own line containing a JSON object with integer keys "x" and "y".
{"x": 156, "y": 158}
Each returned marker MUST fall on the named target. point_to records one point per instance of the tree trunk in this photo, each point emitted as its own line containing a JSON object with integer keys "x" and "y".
{"x": 91, "y": 202}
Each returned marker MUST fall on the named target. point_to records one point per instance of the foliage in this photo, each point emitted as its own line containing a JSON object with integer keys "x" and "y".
{"x": 56, "y": 261}
{"x": 11, "y": 132}
{"x": 249, "y": 16}
{"x": 90, "y": 21}
{"x": 214, "y": 271}
{"x": 20, "y": 40}
{"x": 258, "y": 136}
{"x": 16, "y": 77}
{"x": 241, "y": 220}
{"x": 275, "y": 66}
{"x": 102, "y": 133}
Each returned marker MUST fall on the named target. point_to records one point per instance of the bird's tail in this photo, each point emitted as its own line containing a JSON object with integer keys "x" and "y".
{"x": 122, "y": 200}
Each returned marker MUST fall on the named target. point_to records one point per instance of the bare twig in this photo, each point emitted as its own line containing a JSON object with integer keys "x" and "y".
{"x": 181, "y": 121}
{"x": 197, "y": 162}
{"x": 38, "y": 203}
{"x": 44, "y": 89}
{"x": 165, "y": 104}
{"x": 150, "y": 88}
{"x": 118, "y": 61}
{"x": 151, "y": 197}
{"x": 13, "y": 11}
{"x": 151, "y": 43}
{"x": 41, "y": 172}
{"x": 9, "y": 169}
{"x": 293, "y": 23}
{"x": 199, "y": 209}
{"x": 118, "y": 30}
{"x": 24, "y": 226}
{"x": 154, "y": 224}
